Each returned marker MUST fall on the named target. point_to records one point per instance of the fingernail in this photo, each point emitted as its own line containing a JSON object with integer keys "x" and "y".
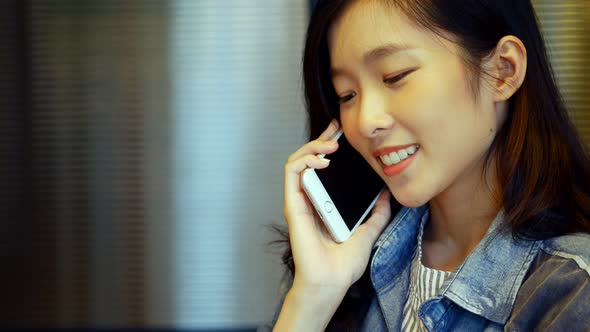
{"x": 324, "y": 160}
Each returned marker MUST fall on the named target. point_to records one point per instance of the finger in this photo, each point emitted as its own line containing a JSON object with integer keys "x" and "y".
{"x": 308, "y": 161}
{"x": 314, "y": 147}
{"x": 330, "y": 131}
{"x": 293, "y": 171}
{"x": 380, "y": 218}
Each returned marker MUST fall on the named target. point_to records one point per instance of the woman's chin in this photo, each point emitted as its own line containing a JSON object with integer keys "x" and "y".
{"x": 408, "y": 200}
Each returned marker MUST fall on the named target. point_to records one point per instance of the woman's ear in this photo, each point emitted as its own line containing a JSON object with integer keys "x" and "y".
{"x": 508, "y": 66}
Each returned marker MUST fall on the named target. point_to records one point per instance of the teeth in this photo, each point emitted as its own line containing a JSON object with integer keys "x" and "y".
{"x": 395, "y": 157}
{"x": 402, "y": 154}
{"x": 387, "y": 159}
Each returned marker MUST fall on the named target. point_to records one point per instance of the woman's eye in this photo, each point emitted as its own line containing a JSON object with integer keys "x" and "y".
{"x": 346, "y": 98}
{"x": 397, "y": 78}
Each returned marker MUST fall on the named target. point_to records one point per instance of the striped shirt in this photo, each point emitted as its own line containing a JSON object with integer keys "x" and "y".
{"x": 424, "y": 284}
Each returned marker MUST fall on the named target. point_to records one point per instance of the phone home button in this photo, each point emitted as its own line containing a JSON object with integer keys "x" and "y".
{"x": 328, "y": 206}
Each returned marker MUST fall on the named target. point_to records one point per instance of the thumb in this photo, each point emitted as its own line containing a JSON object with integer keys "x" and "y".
{"x": 380, "y": 217}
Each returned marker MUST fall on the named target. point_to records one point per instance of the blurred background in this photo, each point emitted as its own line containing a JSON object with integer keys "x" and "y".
{"x": 142, "y": 148}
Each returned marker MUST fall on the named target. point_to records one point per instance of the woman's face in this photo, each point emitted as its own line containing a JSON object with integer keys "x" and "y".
{"x": 405, "y": 93}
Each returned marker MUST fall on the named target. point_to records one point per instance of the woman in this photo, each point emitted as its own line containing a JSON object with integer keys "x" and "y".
{"x": 492, "y": 232}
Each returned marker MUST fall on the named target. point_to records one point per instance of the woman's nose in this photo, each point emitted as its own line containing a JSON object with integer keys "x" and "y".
{"x": 373, "y": 115}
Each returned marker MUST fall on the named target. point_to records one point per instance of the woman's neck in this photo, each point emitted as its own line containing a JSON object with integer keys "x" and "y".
{"x": 459, "y": 219}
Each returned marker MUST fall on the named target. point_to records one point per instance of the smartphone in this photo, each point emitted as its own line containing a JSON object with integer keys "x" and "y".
{"x": 344, "y": 193}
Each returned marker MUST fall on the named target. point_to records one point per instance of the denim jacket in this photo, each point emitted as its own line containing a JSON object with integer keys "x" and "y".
{"x": 504, "y": 284}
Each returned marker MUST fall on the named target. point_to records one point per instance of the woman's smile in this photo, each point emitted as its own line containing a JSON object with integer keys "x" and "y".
{"x": 395, "y": 160}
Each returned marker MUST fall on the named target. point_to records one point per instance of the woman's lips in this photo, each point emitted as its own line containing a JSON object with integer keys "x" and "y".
{"x": 390, "y": 149}
{"x": 396, "y": 169}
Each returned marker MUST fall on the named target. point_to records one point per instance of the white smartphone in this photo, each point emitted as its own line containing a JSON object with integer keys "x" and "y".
{"x": 344, "y": 193}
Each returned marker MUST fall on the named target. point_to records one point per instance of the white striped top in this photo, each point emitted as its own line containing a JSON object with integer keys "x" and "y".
{"x": 424, "y": 284}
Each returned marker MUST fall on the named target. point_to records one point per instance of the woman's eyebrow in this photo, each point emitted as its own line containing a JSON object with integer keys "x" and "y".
{"x": 383, "y": 51}
{"x": 374, "y": 55}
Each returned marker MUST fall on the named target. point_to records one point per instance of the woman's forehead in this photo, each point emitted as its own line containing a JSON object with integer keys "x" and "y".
{"x": 369, "y": 25}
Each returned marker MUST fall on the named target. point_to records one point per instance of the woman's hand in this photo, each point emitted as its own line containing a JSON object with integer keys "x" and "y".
{"x": 324, "y": 269}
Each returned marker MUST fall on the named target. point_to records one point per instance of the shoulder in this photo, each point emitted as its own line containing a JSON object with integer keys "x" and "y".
{"x": 574, "y": 247}
{"x": 556, "y": 290}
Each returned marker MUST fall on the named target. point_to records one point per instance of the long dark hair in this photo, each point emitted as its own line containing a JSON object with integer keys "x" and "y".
{"x": 543, "y": 167}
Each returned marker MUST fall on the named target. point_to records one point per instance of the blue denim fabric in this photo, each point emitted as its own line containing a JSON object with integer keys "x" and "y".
{"x": 503, "y": 285}
{"x": 481, "y": 293}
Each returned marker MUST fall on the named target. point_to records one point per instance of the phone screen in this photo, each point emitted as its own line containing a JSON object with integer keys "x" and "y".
{"x": 350, "y": 181}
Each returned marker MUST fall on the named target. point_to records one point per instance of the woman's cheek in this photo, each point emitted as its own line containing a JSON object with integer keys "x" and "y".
{"x": 408, "y": 106}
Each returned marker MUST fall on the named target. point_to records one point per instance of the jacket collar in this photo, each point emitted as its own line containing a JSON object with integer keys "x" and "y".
{"x": 486, "y": 283}
{"x": 489, "y": 279}
{"x": 395, "y": 247}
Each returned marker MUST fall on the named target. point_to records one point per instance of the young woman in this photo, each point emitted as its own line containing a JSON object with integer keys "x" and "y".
{"x": 489, "y": 220}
